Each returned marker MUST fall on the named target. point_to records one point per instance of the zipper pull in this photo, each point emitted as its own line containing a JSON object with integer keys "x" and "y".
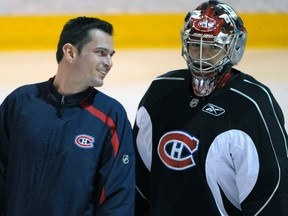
{"x": 62, "y": 100}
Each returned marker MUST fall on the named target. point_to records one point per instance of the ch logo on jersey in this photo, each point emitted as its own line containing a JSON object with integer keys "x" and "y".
{"x": 176, "y": 149}
{"x": 84, "y": 141}
{"x": 213, "y": 109}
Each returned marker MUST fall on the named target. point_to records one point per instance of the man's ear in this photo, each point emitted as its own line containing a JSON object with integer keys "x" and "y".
{"x": 70, "y": 52}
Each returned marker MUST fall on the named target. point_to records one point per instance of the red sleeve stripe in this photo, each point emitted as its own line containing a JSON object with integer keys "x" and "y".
{"x": 102, "y": 196}
{"x": 107, "y": 120}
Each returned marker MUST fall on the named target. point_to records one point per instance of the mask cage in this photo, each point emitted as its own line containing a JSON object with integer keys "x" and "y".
{"x": 224, "y": 43}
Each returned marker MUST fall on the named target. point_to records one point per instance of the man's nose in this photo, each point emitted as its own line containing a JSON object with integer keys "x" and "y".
{"x": 108, "y": 61}
{"x": 205, "y": 53}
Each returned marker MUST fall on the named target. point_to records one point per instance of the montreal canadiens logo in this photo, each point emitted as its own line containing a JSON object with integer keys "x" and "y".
{"x": 84, "y": 141}
{"x": 176, "y": 150}
{"x": 206, "y": 24}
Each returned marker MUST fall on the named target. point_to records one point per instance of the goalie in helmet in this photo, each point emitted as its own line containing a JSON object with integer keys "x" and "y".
{"x": 210, "y": 139}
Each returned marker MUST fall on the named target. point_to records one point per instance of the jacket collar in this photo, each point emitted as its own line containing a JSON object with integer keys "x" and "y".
{"x": 56, "y": 99}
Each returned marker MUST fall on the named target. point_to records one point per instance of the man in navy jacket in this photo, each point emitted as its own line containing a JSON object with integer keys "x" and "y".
{"x": 65, "y": 147}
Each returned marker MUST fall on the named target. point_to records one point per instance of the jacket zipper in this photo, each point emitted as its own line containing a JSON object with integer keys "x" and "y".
{"x": 62, "y": 100}
{"x": 59, "y": 108}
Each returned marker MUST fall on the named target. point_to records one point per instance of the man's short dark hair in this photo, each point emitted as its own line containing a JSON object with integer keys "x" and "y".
{"x": 76, "y": 31}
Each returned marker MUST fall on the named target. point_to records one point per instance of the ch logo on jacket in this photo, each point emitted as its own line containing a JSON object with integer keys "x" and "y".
{"x": 176, "y": 149}
{"x": 84, "y": 141}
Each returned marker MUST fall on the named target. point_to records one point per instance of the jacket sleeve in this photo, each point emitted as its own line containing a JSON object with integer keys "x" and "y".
{"x": 118, "y": 171}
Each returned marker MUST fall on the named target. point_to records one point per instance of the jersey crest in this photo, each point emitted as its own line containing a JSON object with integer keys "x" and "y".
{"x": 176, "y": 149}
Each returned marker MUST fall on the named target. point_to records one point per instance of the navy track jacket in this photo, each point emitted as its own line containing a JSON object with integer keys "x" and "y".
{"x": 63, "y": 156}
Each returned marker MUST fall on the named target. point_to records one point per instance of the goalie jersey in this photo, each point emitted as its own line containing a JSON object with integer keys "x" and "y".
{"x": 225, "y": 154}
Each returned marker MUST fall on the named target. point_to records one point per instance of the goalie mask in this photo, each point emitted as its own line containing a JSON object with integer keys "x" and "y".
{"x": 213, "y": 40}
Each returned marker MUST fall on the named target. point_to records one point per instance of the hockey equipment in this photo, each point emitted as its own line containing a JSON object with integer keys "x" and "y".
{"x": 213, "y": 40}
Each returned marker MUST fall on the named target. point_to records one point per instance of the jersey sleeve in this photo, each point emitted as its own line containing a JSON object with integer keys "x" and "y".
{"x": 246, "y": 166}
{"x": 142, "y": 133}
{"x": 267, "y": 130}
{"x": 142, "y": 137}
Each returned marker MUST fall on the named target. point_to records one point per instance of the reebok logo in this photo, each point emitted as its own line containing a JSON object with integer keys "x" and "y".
{"x": 213, "y": 109}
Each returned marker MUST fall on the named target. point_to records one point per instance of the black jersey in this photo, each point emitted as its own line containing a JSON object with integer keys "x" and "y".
{"x": 224, "y": 154}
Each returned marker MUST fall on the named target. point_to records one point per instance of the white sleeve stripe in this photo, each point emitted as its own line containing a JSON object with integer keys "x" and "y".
{"x": 170, "y": 78}
{"x": 142, "y": 195}
{"x": 144, "y": 136}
